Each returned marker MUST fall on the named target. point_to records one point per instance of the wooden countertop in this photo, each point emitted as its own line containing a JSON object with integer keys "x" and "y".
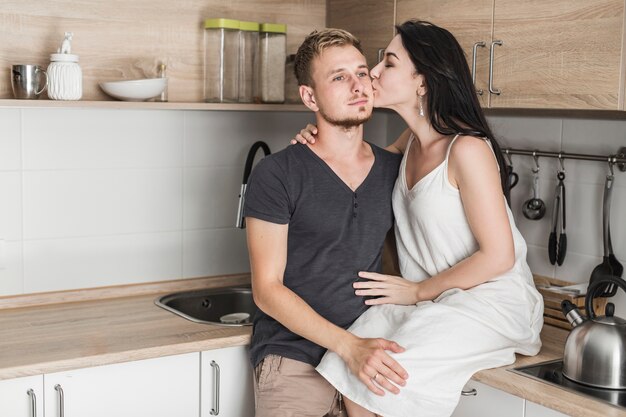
{"x": 50, "y": 338}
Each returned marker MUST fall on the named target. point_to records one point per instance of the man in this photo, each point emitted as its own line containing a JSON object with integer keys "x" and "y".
{"x": 315, "y": 217}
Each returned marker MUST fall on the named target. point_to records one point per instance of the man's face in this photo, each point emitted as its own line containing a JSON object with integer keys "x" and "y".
{"x": 343, "y": 88}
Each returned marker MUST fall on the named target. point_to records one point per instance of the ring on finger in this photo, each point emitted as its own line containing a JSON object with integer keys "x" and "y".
{"x": 375, "y": 376}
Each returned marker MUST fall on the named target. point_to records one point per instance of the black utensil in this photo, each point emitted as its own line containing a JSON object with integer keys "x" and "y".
{"x": 557, "y": 242}
{"x": 605, "y": 268}
{"x": 618, "y": 268}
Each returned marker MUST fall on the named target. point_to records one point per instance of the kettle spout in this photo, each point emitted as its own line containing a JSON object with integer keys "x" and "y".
{"x": 571, "y": 313}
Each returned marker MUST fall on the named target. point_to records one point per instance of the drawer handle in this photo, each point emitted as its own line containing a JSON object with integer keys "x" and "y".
{"x": 469, "y": 393}
{"x": 59, "y": 389}
{"x": 480, "y": 44}
{"x": 33, "y": 402}
{"x": 492, "y": 89}
{"x": 216, "y": 389}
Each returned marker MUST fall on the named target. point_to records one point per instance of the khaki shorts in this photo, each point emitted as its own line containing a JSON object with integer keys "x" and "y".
{"x": 285, "y": 387}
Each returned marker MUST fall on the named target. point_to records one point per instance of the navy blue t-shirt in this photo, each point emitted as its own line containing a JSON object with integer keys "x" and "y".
{"x": 334, "y": 233}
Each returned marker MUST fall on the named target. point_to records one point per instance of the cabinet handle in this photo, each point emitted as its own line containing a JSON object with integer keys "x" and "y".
{"x": 492, "y": 89}
{"x": 33, "y": 402}
{"x": 469, "y": 393}
{"x": 216, "y": 389}
{"x": 381, "y": 54}
{"x": 480, "y": 44}
{"x": 58, "y": 388}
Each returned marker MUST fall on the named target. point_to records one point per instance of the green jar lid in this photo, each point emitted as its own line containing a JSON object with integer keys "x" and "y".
{"x": 221, "y": 24}
{"x": 273, "y": 28}
{"x": 249, "y": 26}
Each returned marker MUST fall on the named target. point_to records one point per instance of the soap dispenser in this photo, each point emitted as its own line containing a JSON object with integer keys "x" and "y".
{"x": 65, "y": 78}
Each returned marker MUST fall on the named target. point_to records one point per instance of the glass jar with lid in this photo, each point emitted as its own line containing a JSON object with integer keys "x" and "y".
{"x": 272, "y": 56}
{"x": 221, "y": 60}
{"x": 248, "y": 57}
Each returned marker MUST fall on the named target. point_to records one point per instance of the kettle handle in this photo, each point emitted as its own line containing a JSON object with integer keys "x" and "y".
{"x": 598, "y": 285}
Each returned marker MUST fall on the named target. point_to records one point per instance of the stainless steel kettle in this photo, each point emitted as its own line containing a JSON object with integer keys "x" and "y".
{"x": 595, "y": 350}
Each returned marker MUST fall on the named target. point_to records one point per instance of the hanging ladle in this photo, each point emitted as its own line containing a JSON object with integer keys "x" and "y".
{"x": 534, "y": 208}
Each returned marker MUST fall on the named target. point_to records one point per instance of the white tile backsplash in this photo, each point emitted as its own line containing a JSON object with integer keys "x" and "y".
{"x": 95, "y": 197}
{"x": 10, "y": 205}
{"x": 61, "y": 264}
{"x": 10, "y": 139}
{"x": 211, "y": 197}
{"x": 11, "y": 276}
{"x": 214, "y": 252}
{"x": 59, "y": 204}
{"x": 96, "y": 139}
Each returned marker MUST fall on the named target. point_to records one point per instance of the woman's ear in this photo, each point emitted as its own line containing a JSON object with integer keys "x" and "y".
{"x": 308, "y": 97}
{"x": 421, "y": 85}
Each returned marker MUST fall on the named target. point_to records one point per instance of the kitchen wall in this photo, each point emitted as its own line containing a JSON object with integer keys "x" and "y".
{"x": 584, "y": 187}
{"x": 95, "y": 197}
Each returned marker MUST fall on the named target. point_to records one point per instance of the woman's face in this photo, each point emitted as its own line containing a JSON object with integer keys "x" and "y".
{"x": 394, "y": 80}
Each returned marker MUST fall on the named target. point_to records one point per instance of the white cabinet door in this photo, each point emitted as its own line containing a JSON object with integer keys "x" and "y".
{"x": 536, "y": 410}
{"x": 22, "y": 397}
{"x": 488, "y": 402}
{"x": 227, "y": 386}
{"x": 160, "y": 387}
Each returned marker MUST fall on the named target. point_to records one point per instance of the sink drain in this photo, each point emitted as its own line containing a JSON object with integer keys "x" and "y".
{"x": 235, "y": 318}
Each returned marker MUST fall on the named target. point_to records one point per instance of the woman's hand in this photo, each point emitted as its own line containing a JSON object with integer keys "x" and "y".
{"x": 390, "y": 289}
{"x": 306, "y": 135}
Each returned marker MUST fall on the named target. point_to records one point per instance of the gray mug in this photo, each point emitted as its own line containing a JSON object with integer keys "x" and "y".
{"x": 27, "y": 81}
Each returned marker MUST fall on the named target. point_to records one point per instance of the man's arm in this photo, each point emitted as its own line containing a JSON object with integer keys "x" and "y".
{"x": 267, "y": 245}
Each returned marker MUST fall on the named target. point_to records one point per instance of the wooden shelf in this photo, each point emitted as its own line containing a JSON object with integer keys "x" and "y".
{"x": 148, "y": 105}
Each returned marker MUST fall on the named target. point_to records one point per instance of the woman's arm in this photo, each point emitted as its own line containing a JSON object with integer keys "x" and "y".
{"x": 474, "y": 170}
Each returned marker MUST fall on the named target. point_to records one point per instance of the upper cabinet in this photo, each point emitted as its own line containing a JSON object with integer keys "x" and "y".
{"x": 558, "y": 54}
{"x": 372, "y": 21}
{"x": 470, "y": 21}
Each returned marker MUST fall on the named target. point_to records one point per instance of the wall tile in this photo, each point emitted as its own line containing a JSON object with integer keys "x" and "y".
{"x": 11, "y": 205}
{"x": 11, "y": 274}
{"x": 538, "y": 261}
{"x": 597, "y": 137}
{"x": 529, "y": 133}
{"x": 101, "y": 138}
{"x": 214, "y": 252}
{"x": 10, "y": 139}
{"x": 101, "y": 202}
{"x": 61, "y": 264}
{"x": 211, "y": 197}
{"x": 224, "y": 138}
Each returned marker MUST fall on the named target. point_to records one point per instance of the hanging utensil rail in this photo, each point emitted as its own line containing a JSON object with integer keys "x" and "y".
{"x": 618, "y": 159}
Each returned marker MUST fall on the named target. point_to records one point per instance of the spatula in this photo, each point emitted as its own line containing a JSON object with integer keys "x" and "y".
{"x": 605, "y": 268}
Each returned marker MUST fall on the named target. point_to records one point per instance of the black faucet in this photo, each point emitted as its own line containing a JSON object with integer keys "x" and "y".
{"x": 241, "y": 221}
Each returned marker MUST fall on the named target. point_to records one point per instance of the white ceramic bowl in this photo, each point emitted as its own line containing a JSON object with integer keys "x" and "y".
{"x": 135, "y": 90}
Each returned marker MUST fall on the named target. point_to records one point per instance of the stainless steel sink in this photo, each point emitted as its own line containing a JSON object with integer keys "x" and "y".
{"x": 231, "y": 306}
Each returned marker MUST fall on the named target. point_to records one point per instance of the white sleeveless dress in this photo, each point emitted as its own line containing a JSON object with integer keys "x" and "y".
{"x": 459, "y": 333}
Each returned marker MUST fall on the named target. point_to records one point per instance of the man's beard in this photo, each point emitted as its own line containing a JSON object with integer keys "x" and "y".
{"x": 345, "y": 123}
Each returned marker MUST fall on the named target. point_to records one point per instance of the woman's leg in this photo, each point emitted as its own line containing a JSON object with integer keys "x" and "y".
{"x": 355, "y": 410}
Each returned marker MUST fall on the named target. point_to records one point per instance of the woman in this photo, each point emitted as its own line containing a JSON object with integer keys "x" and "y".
{"x": 467, "y": 300}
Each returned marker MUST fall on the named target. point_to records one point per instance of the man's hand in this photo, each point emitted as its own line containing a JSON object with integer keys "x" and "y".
{"x": 369, "y": 361}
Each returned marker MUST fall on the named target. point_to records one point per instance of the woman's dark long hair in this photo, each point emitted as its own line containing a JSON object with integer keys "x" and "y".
{"x": 453, "y": 105}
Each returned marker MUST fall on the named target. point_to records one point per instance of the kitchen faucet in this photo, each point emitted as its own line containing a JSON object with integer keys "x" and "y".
{"x": 241, "y": 221}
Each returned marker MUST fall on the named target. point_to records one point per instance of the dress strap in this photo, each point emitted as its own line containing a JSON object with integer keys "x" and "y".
{"x": 450, "y": 145}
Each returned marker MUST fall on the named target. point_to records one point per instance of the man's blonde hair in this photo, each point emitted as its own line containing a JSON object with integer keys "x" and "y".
{"x": 313, "y": 46}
